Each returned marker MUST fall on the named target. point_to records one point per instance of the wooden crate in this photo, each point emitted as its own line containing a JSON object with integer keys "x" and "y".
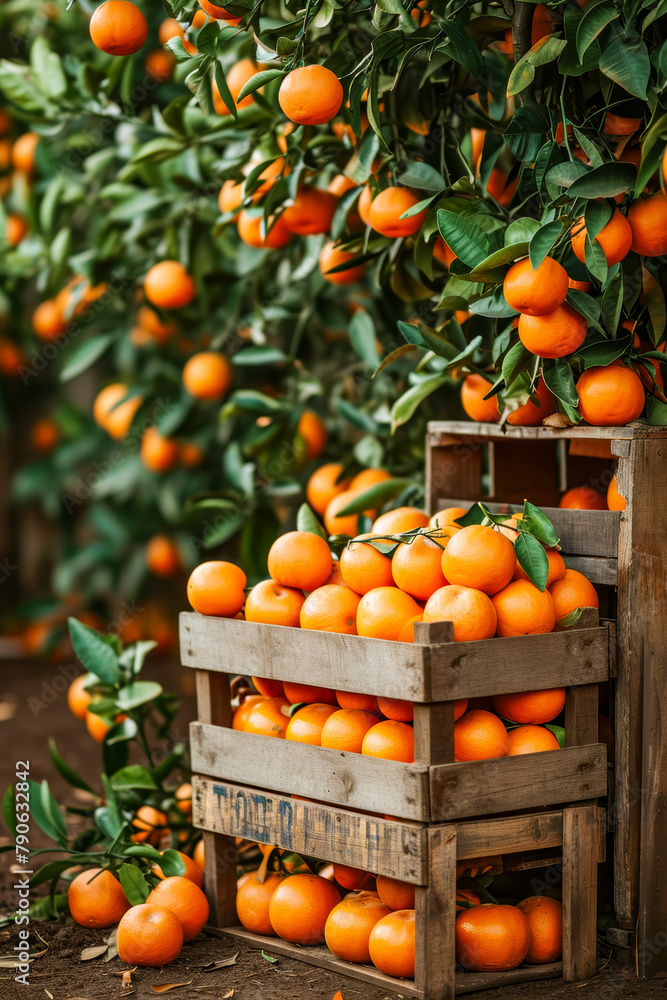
{"x": 623, "y": 550}
{"x": 433, "y": 673}
{"x": 424, "y": 855}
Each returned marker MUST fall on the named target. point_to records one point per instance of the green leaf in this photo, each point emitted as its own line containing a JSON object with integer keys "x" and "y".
{"x": 527, "y": 130}
{"x": 162, "y": 148}
{"x": 539, "y": 525}
{"x": 653, "y": 147}
{"x": 48, "y": 68}
{"x": 595, "y": 18}
{"x": 67, "y": 772}
{"x": 46, "y": 813}
{"x": 84, "y": 355}
{"x": 422, "y": 176}
{"x": 135, "y": 886}
{"x": 558, "y": 732}
{"x": 467, "y": 241}
{"x": 172, "y": 863}
{"x": 559, "y": 379}
{"x": 407, "y": 404}
{"x": 460, "y": 47}
{"x": 307, "y": 521}
{"x": 50, "y": 871}
{"x": 533, "y": 559}
{"x": 656, "y": 412}
{"x": 517, "y": 360}
{"x": 363, "y": 336}
{"x": 375, "y": 497}
{"x": 601, "y": 352}
{"x": 625, "y": 62}
{"x": 94, "y": 651}
{"x": 134, "y": 776}
{"x": 604, "y": 182}
{"x": 257, "y": 81}
{"x": 542, "y": 242}
{"x": 138, "y": 693}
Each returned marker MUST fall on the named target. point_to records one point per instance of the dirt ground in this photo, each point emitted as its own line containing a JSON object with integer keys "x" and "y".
{"x": 60, "y": 974}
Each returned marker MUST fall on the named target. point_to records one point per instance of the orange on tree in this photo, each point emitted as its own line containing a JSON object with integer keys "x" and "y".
{"x": 16, "y": 229}
{"x": 492, "y": 938}
{"x": 573, "y": 591}
{"x": 364, "y": 205}
{"x": 480, "y": 557}
{"x": 383, "y": 612}
{"x": 306, "y": 725}
{"x": 331, "y": 608}
{"x": 339, "y": 184}
{"x": 310, "y": 95}
{"x": 47, "y": 320}
{"x": 185, "y": 900}
{"x": 480, "y": 735}
{"x": 207, "y": 375}
{"x": 443, "y": 252}
{"x": 183, "y": 796}
{"x": 620, "y": 125}
{"x": 417, "y": 566}
{"x": 523, "y": 609}
{"x": 159, "y": 64}
{"x": 545, "y": 919}
{"x": 648, "y": 220}
{"x": 530, "y": 707}
{"x": 23, "y": 153}
{"x": 162, "y": 556}
{"x": 324, "y": 484}
{"x": 268, "y": 718}
{"x": 556, "y": 568}
{"x": 364, "y": 567}
{"x": 536, "y": 292}
{"x": 150, "y": 935}
{"x": 149, "y": 321}
{"x": 610, "y": 395}
{"x": 96, "y": 898}
{"x": 331, "y": 256}
{"x": 352, "y": 878}
{"x": 583, "y": 498}
{"x": 218, "y": 12}
{"x": 390, "y": 740}
{"x": 118, "y": 27}
{"x": 615, "y": 238}
{"x": 349, "y": 925}
{"x": 392, "y": 944}
{"x": 393, "y": 522}
{"x": 252, "y": 902}
{"x": 531, "y": 739}
{"x": 339, "y": 524}
{"x": 99, "y": 727}
{"x": 150, "y": 824}
{"x": 170, "y": 28}
{"x": 554, "y": 335}
{"x": 236, "y": 78}
{"x": 395, "y": 894}
{"x": 192, "y": 870}
{"x": 272, "y": 604}
{"x": 314, "y": 433}
{"x": 311, "y": 212}
{"x": 614, "y": 499}
{"x": 473, "y": 390}
{"x": 78, "y": 699}
{"x": 300, "y": 906}
{"x": 217, "y": 588}
{"x": 168, "y": 285}
{"x": 387, "y": 209}
{"x": 367, "y": 478}
{"x": 252, "y": 231}
{"x": 530, "y": 414}
{"x": 471, "y": 612}
{"x": 231, "y": 196}
{"x": 345, "y": 729}
{"x": 158, "y": 453}
{"x": 300, "y": 559}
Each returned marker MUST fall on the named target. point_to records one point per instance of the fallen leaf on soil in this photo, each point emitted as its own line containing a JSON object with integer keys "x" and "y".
{"x": 228, "y": 995}
{"x": 224, "y": 963}
{"x": 93, "y": 952}
{"x": 269, "y": 958}
{"x": 112, "y": 950}
{"x": 47, "y": 993}
{"x": 169, "y": 986}
{"x": 126, "y": 982}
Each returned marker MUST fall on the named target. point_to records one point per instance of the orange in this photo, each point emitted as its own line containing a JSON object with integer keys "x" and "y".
{"x": 217, "y": 588}
{"x": 113, "y": 411}
{"x": 620, "y": 125}
{"x": 192, "y": 870}
{"x": 78, "y": 699}
{"x": 383, "y": 612}
{"x": 98, "y": 727}
{"x": 162, "y": 556}
{"x": 610, "y": 395}
{"x": 536, "y": 292}
{"x": 191, "y": 455}
{"x": 314, "y": 433}
{"x": 554, "y": 335}
{"x": 407, "y": 633}
{"x": 183, "y": 796}
{"x": 571, "y": 592}
{"x": 583, "y": 498}
{"x": 332, "y": 256}
{"x": 311, "y": 212}
{"x": 648, "y": 220}
{"x": 149, "y": 321}
{"x": 325, "y": 484}
{"x": 160, "y": 64}
{"x": 241, "y": 714}
{"x": 464, "y": 896}
{"x": 397, "y": 708}
{"x": 491, "y": 938}
{"x": 300, "y": 906}
{"x": 447, "y": 518}
{"x": 338, "y": 525}
{"x": 416, "y": 566}
{"x": 349, "y": 925}
{"x": 390, "y": 740}
{"x": 443, "y": 252}
{"x": 531, "y": 414}
{"x": 311, "y": 95}
{"x": 47, "y": 320}
{"x": 149, "y": 935}
{"x": 185, "y": 900}
{"x": 364, "y": 204}
{"x": 471, "y": 612}
{"x": 395, "y": 894}
{"x": 339, "y": 184}
{"x": 150, "y": 824}
{"x": 96, "y": 898}
{"x": 388, "y": 207}
{"x": 169, "y": 286}
{"x": 332, "y": 608}
{"x": 118, "y": 27}
{"x": 170, "y": 28}
{"x": 158, "y": 453}
{"x": 198, "y": 854}
{"x": 531, "y": 739}
{"x": 252, "y": 903}
{"x": 231, "y": 196}
{"x": 272, "y": 604}
{"x": 269, "y": 688}
{"x": 394, "y": 522}
{"x": 365, "y": 702}
{"x": 11, "y": 358}
{"x": 367, "y": 478}
{"x": 250, "y": 227}
{"x": 16, "y": 229}
{"x": 352, "y": 878}
{"x": 306, "y": 725}
{"x": 473, "y": 390}
{"x": 556, "y": 568}
{"x": 237, "y": 77}
{"x": 480, "y": 557}
{"x": 269, "y": 718}
{"x": 23, "y": 152}
{"x": 345, "y": 729}
{"x": 530, "y": 707}
{"x": 614, "y": 499}
{"x": 523, "y": 609}
{"x": 219, "y": 13}
{"x": 545, "y": 919}
{"x": 480, "y": 735}
{"x": 363, "y": 567}
{"x": 300, "y": 559}
{"x": 309, "y": 693}
{"x": 615, "y": 238}
{"x": 207, "y": 375}
{"x": 392, "y": 944}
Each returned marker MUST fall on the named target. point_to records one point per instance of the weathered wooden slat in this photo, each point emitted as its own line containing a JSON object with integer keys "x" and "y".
{"x": 581, "y": 715}
{"x": 373, "y": 844}
{"x": 534, "y": 831}
{"x": 449, "y": 428}
{"x": 351, "y": 780}
{"x": 435, "y": 908}
{"x": 483, "y": 787}
{"x": 598, "y": 569}
{"x": 580, "y": 860}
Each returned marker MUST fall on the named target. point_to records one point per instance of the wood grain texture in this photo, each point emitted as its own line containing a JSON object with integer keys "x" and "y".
{"x": 580, "y": 860}
{"x": 220, "y": 878}
{"x": 520, "y": 468}
{"x": 598, "y": 569}
{"x": 534, "y": 831}
{"x": 435, "y": 917}
{"x": 373, "y": 844}
{"x": 482, "y": 787}
{"x": 455, "y": 466}
{"x": 581, "y": 715}
{"x": 352, "y": 780}
{"x": 465, "y": 428}
{"x": 434, "y": 733}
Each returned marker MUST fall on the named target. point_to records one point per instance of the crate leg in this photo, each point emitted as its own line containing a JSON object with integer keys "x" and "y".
{"x": 435, "y": 903}
{"x": 581, "y": 716}
{"x": 581, "y": 852}
{"x": 434, "y": 733}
